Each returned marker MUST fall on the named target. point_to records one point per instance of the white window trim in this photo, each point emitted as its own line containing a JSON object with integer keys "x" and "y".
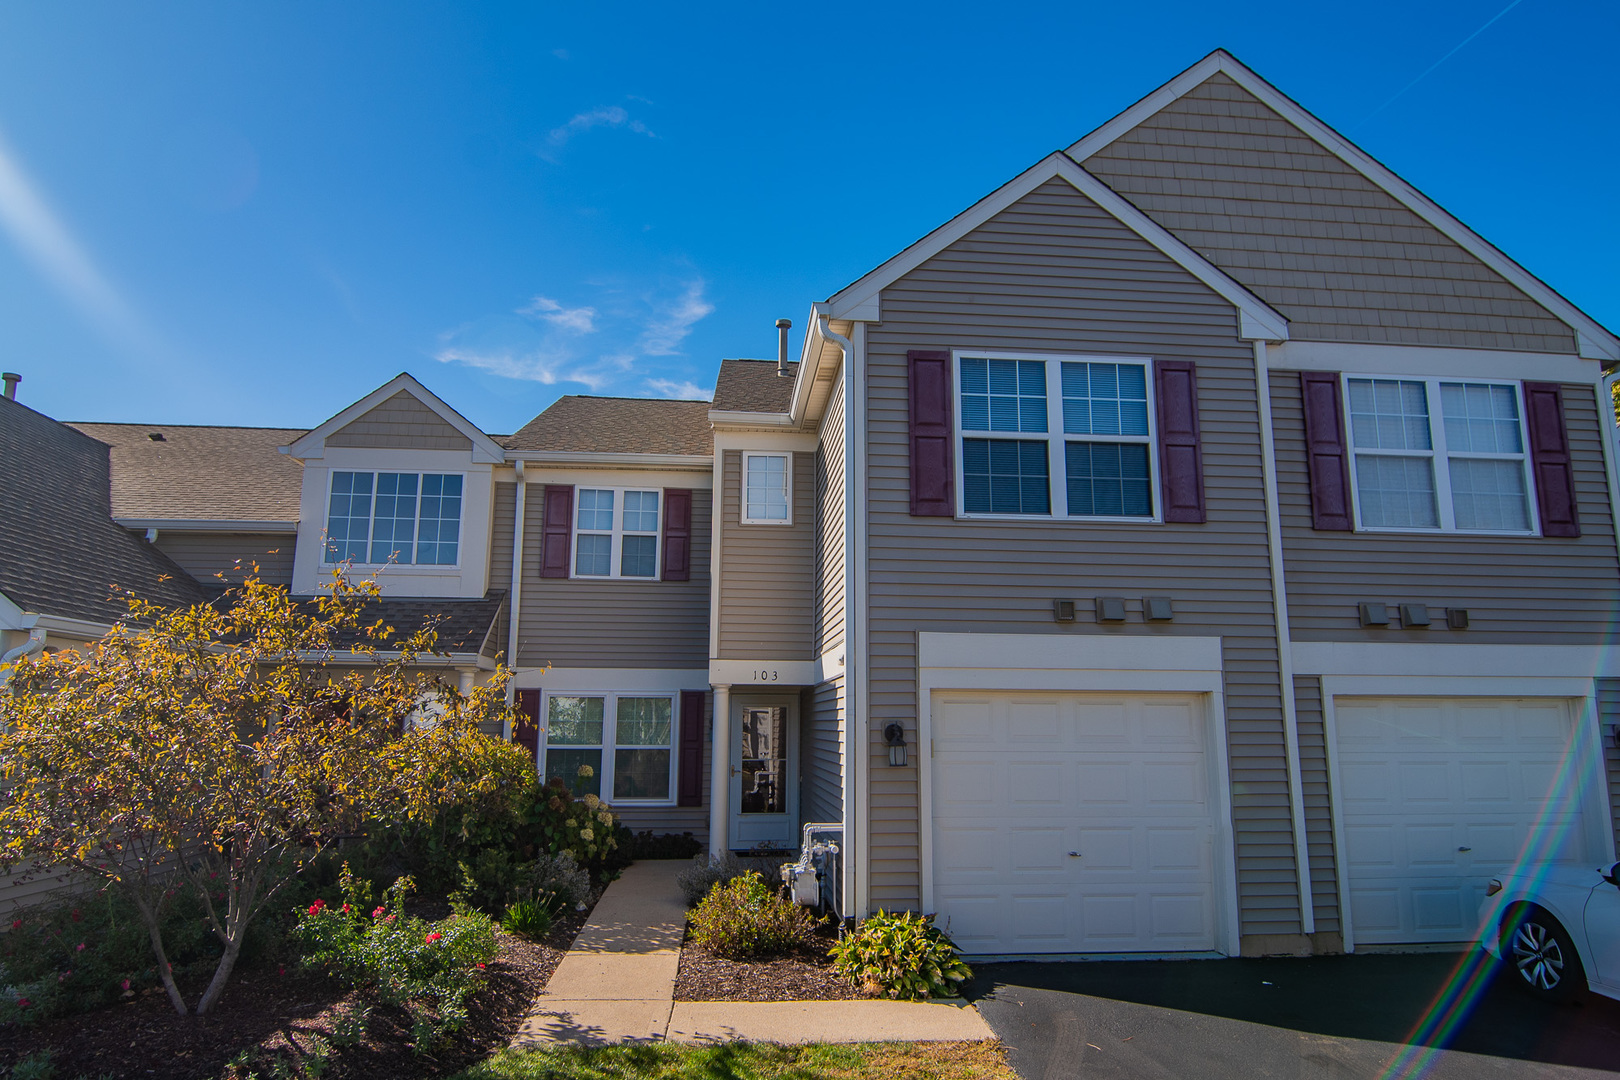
{"x": 1440, "y": 453}
{"x": 1057, "y": 469}
{"x": 742, "y": 487}
{"x": 618, "y": 533}
{"x": 416, "y": 528}
{"x": 610, "y": 731}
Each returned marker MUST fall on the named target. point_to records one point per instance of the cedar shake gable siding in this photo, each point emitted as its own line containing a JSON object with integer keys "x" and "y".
{"x": 1517, "y": 589}
{"x": 578, "y": 424}
{"x": 402, "y": 422}
{"x": 1337, "y": 255}
{"x": 1055, "y": 273}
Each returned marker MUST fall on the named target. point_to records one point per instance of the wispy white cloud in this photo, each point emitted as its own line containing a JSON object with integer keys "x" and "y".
{"x": 685, "y": 390}
{"x": 537, "y": 367}
{"x": 612, "y": 116}
{"x": 675, "y": 321}
{"x": 44, "y": 239}
{"x": 581, "y": 320}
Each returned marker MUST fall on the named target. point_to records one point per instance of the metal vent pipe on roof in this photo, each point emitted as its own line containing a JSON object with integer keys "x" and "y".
{"x": 11, "y": 378}
{"x": 782, "y": 327}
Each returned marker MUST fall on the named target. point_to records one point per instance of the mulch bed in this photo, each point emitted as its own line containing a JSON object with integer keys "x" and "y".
{"x": 272, "y": 1012}
{"x": 808, "y": 976}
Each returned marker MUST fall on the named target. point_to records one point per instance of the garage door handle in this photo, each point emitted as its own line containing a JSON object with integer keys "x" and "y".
{"x": 1465, "y": 849}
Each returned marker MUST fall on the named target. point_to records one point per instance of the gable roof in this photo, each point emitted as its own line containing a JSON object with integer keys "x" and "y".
{"x": 63, "y": 552}
{"x": 200, "y": 474}
{"x": 607, "y": 425}
{"x": 753, "y": 386}
{"x": 312, "y": 444}
{"x": 1212, "y": 181}
{"x": 861, "y": 298}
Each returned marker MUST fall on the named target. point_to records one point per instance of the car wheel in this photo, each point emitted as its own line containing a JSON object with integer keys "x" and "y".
{"x": 1540, "y": 955}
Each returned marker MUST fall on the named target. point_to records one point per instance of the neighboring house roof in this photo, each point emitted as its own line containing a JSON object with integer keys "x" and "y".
{"x": 463, "y": 624}
{"x": 607, "y": 425}
{"x": 200, "y": 473}
{"x": 1339, "y": 243}
{"x": 60, "y": 550}
{"x": 753, "y": 386}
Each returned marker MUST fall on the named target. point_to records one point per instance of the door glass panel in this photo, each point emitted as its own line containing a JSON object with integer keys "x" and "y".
{"x": 764, "y": 761}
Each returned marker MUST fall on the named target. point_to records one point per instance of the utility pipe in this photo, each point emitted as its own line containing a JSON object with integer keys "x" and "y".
{"x": 514, "y": 596}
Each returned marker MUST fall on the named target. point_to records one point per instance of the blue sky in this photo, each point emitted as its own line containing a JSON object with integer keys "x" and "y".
{"x": 254, "y": 214}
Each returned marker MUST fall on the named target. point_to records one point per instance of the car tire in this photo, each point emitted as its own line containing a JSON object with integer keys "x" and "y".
{"x": 1539, "y": 956}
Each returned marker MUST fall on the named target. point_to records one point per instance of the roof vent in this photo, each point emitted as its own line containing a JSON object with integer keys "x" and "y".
{"x": 11, "y": 379}
{"x": 156, "y": 436}
{"x": 782, "y": 327}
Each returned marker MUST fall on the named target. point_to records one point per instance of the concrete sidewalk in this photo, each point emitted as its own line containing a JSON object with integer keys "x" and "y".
{"x": 617, "y": 984}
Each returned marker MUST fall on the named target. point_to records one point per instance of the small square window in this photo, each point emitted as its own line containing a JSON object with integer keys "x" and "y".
{"x": 767, "y": 484}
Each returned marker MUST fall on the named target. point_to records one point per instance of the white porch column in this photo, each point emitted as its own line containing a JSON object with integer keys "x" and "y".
{"x": 720, "y": 773}
{"x": 464, "y": 679}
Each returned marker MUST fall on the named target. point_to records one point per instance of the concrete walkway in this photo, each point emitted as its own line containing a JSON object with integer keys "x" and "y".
{"x": 617, "y": 984}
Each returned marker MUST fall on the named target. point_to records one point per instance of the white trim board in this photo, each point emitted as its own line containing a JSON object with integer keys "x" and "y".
{"x": 312, "y": 444}
{"x": 1593, "y": 340}
{"x": 572, "y": 679}
{"x": 1404, "y": 360}
{"x": 861, "y": 299}
{"x": 1518, "y": 662}
{"x": 1077, "y": 664}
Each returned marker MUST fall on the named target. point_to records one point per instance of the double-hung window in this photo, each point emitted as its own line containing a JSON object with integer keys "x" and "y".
{"x": 375, "y": 518}
{"x": 1026, "y": 420}
{"x": 1436, "y": 454}
{"x": 619, "y": 747}
{"x": 767, "y": 489}
{"x": 616, "y": 533}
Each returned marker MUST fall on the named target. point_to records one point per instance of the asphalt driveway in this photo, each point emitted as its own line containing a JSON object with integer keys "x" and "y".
{"x": 1322, "y": 1018}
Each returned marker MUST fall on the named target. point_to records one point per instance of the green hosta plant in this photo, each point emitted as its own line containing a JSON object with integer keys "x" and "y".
{"x": 903, "y": 956}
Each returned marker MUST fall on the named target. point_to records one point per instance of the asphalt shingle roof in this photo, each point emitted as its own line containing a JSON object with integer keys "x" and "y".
{"x": 618, "y": 426}
{"x": 462, "y": 629}
{"x": 60, "y": 551}
{"x": 201, "y": 473}
{"x": 753, "y": 386}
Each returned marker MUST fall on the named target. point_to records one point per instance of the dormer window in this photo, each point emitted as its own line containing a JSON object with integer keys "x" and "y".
{"x": 375, "y": 519}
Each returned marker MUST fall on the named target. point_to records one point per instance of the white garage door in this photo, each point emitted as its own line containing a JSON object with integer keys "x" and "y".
{"x": 1021, "y": 781}
{"x": 1439, "y": 795}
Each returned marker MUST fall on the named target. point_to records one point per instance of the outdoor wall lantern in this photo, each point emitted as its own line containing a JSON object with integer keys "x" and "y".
{"x": 895, "y": 736}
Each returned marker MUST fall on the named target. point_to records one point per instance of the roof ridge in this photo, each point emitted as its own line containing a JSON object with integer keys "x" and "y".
{"x": 155, "y": 424}
{"x": 619, "y": 397}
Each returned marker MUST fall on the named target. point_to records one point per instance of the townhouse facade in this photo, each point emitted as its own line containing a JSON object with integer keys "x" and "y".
{"x": 1202, "y": 544}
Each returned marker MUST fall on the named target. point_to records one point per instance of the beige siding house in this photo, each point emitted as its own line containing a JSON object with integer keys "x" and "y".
{"x": 1203, "y": 544}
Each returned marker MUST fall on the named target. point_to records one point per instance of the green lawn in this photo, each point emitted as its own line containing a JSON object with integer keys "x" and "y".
{"x": 751, "y": 1061}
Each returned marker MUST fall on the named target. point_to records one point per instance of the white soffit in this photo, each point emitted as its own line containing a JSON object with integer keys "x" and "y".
{"x": 1593, "y": 340}
{"x": 860, "y": 300}
{"x": 312, "y": 444}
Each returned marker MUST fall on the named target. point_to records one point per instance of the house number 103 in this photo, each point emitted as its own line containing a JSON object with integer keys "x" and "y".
{"x": 766, "y": 676}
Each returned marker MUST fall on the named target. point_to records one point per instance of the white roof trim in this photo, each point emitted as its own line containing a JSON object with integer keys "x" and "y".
{"x": 750, "y": 419}
{"x": 313, "y": 443}
{"x": 1593, "y": 340}
{"x": 860, "y": 300}
{"x": 593, "y": 457}
{"x": 207, "y": 525}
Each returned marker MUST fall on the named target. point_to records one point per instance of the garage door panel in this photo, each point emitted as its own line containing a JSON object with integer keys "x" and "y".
{"x": 1438, "y": 795}
{"x": 1119, "y": 779}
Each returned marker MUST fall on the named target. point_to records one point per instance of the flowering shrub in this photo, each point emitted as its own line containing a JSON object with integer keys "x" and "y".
{"x": 582, "y": 828}
{"x": 428, "y": 969}
{"x": 902, "y": 956}
{"x": 744, "y": 918}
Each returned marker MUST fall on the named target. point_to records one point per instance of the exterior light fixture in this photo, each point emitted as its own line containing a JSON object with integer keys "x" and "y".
{"x": 895, "y": 736}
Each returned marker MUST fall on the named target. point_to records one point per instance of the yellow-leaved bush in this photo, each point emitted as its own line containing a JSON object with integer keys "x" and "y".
{"x": 222, "y": 747}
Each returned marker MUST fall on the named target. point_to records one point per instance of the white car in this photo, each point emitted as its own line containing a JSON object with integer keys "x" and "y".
{"x": 1556, "y": 926}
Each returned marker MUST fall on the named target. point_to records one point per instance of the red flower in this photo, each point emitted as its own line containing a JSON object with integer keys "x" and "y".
{"x": 315, "y": 908}
{"x": 281, "y": 971}
{"x": 480, "y": 967}
{"x": 431, "y": 938}
{"x": 125, "y": 984}
{"x": 16, "y": 924}
{"x": 379, "y": 912}
{"x": 75, "y": 914}
{"x": 344, "y": 909}
{"x": 22, "y": 1003}
{"x": 80, "y": 948}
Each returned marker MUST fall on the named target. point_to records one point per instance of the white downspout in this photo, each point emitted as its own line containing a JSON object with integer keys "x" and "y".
{"x": 1285, "y": 652}
{"x": 856, "y": 848}
{"x": 514, "y": 596}
{"x": 34, "y": 645}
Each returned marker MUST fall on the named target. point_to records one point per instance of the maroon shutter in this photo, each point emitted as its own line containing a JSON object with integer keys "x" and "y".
{"x": 1181, "y": 460}
{"x": 1327, "y": 458}
{"x": 1549, "y": 460}
{"x": 677, "y": 534}
{"x": 526, "y": 725}
{"x": 557, "y": 535}
{"x": 933, "y": 482}
{"x": 691, "y": 778}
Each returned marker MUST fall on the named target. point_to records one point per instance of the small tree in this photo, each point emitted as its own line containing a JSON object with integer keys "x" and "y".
{"x": 223, "y": 747}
